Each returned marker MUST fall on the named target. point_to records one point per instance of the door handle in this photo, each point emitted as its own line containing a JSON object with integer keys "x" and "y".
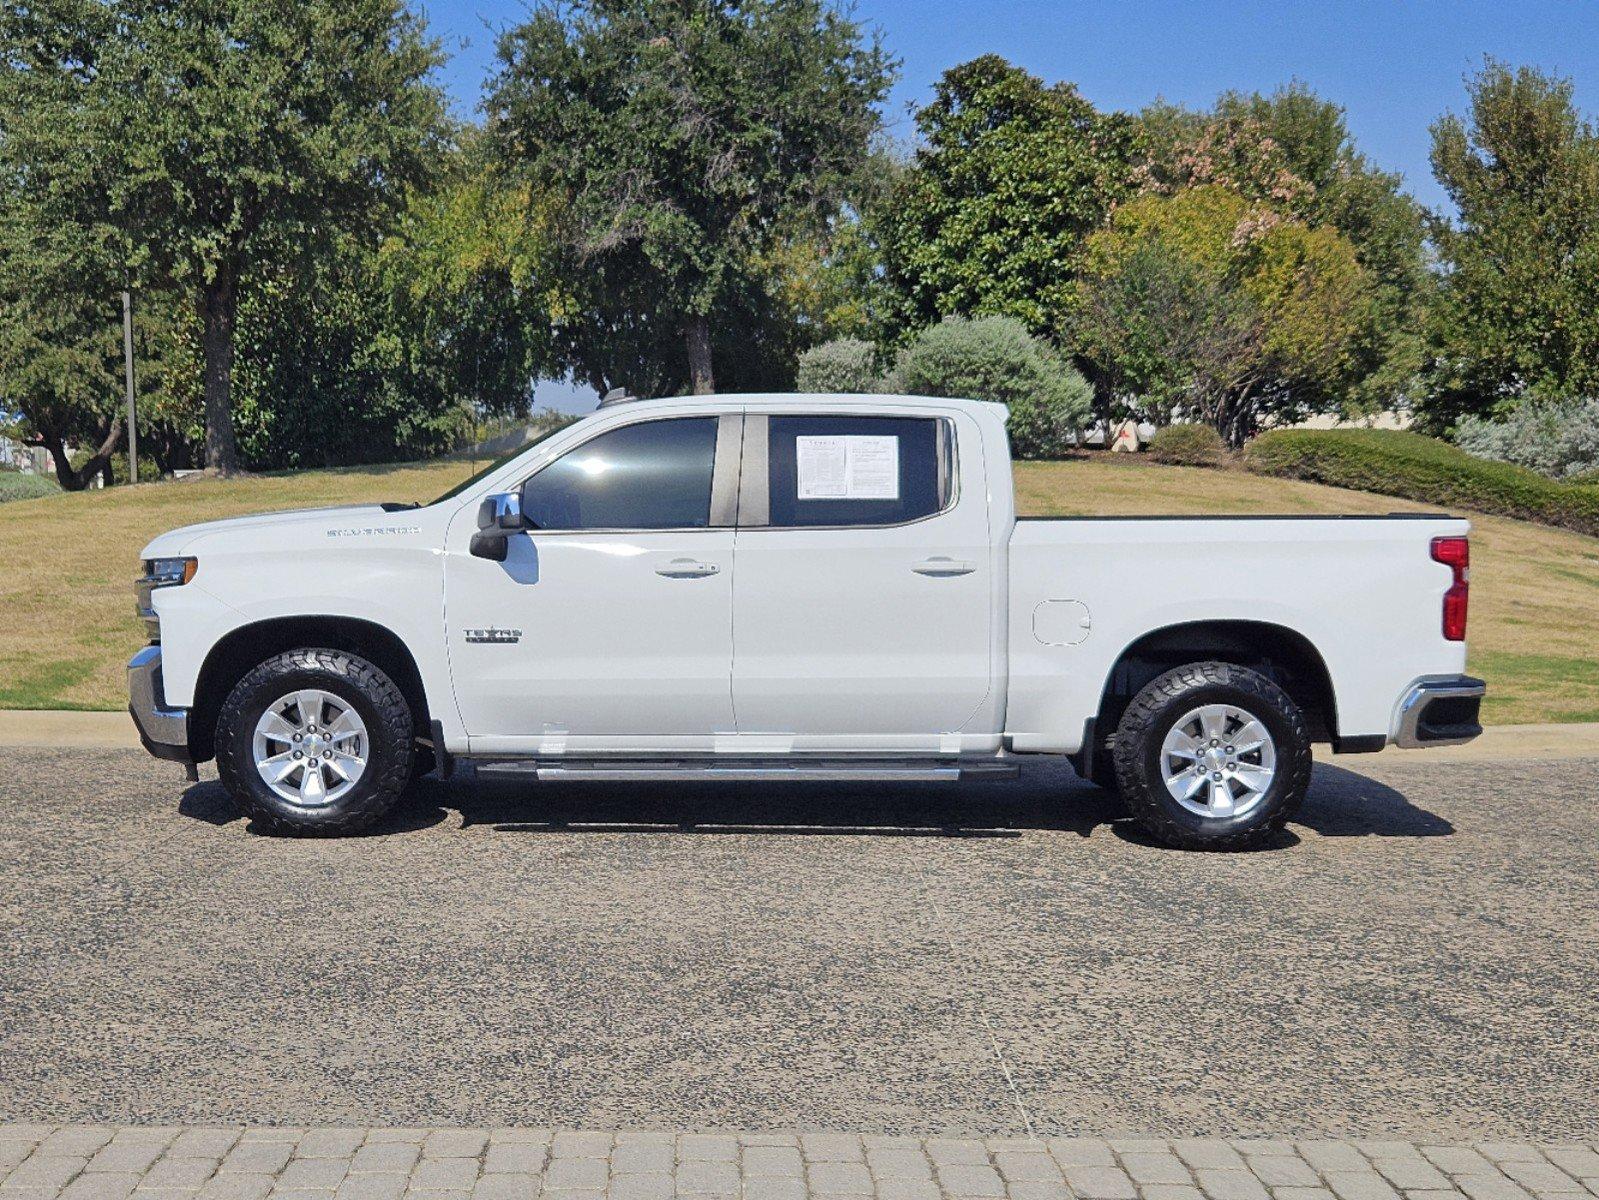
{"x": 687, "y": 568}
{"x": 941, "y": 567}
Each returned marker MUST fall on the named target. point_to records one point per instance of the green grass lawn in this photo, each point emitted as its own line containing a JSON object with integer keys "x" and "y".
{"x": 71, "y": 560}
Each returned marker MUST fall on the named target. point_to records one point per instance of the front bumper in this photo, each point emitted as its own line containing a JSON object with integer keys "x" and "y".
{"x": 164, "y": 731}
{"x": 1440, "y": 712}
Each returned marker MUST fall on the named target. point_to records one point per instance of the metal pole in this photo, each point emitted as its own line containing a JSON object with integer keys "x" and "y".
{"x": 127, "y": 374}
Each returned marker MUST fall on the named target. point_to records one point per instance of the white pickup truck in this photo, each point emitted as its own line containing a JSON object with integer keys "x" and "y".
{"x": 793, "y": 587}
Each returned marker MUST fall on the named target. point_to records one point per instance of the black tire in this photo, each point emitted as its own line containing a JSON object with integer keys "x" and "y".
{"x": 375, "y": 698}
{"x": 1160, "y": 706}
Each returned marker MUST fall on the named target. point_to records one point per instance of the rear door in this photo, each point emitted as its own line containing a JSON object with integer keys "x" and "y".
{"x": 862, "y": 601}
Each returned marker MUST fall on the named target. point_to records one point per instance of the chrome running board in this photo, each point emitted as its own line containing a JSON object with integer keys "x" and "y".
{"x": 754, "y": 770}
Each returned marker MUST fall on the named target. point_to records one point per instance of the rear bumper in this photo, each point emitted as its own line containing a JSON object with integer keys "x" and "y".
{"x": 1440, "y": 712}
{"x": 164, "y": 731}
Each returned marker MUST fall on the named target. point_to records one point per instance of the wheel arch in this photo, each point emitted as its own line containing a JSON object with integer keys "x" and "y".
{"x": 243, "y": 648}
{"x": 1285, "y": 656}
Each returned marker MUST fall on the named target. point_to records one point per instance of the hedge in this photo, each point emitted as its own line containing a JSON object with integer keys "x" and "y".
{"x": 1188, "y": 446}
{"x": 14, "y": 485}
{"x": 1425, "y": 470}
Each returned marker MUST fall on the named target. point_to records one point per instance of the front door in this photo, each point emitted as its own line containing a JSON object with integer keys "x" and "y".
{"x": 862, "y": 604}
{"x": 608, "y": 627}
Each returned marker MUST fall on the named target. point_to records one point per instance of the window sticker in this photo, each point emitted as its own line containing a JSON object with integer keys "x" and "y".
{"x": 847, "y": 467}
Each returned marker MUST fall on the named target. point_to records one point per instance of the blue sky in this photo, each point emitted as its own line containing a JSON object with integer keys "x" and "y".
{"x": 1395, "y": 65}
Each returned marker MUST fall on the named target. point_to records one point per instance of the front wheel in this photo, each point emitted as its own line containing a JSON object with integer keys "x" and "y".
{"x": 315, "y": 742}
{"x": 1212, "y": 756}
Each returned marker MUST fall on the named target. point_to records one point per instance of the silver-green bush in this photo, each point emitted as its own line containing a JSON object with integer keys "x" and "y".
{"x": 14, "y": 485}
{"x": 1557, "y": 438}
{"x": 995, "y": 358}
{"x": 841, "y": 365}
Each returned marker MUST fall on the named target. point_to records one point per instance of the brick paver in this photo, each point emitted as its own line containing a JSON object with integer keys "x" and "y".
{"x": 93, "y": 1163}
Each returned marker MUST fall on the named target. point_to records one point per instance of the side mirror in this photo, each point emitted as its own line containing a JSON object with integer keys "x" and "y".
{"x": 498, "y": 517}
{"x": 501, "y": 511}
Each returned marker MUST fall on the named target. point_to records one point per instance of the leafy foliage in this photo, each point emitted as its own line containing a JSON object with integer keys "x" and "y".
{"x": 670, "y": 147}
{"x": 1010, "y": 179}
{"x": 1291, "y": 153}
{"x": 994, "y": 358}
{"x": 841, "y": 365}
{"x": 1188, "y": 446}
{"x": 1558, "y": 438}
{"x": 1210, "y": 306}
{"x": 199, "y": 143}
{"x": 1423, "y": 469}
{"x": 1519, "y": 310}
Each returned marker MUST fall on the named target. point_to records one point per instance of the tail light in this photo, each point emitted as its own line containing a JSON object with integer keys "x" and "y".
{"x": 1455, "y": 553}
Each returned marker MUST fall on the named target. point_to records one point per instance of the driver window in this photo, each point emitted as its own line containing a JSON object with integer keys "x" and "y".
{"x": 652, "y": 475}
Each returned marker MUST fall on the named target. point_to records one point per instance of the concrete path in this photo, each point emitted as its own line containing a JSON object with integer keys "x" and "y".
{"x": 211, "y": 1163}
{"x": 114, "y": 731}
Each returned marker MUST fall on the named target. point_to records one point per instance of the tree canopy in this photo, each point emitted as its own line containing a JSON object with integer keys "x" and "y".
{"x": 205, "y": 141}
{"x": 681, "y": 195}
{"x": 1291, "y": 152}
{"x": 1009, "y": 180}
{"x": 670, "y": 147}
{"x": 1519, "y": 309}
{"x": 1207, "y": 304}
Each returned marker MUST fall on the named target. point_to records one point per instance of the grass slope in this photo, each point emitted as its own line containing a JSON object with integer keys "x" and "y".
{"x": 72, "y": 558}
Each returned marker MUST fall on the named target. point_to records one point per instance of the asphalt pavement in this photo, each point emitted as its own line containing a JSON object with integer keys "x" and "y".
{"x": 1417, "y": 956}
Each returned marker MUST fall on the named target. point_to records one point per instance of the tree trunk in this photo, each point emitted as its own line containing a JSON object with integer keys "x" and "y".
{"x": 219, "y": 304}
{"x": 697, "y": 333}
{"x": 76, "y": 481}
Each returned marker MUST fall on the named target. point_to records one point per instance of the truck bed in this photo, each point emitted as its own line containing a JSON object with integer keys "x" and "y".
{"x": 1363, "y": 590}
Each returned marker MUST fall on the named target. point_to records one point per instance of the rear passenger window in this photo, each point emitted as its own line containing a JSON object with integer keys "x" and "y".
{"x": 827, "y": 471}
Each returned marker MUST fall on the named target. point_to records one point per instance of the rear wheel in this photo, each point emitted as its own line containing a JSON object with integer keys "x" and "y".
{"x": 1212, "y": 756}
{"x": 315, "y": 742}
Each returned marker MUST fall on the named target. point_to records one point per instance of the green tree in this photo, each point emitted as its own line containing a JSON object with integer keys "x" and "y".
{"x": 60, "y": 370}
{"x": 1010, "y": 179}
{"x": 1214, "y": 307}
{"x": 672, "y": 146}
{"x": 467, "y": 282}
{"x": 1291, "y": 151}
{"x": 221, "y": 138}
{"x": 1519, "y": 309}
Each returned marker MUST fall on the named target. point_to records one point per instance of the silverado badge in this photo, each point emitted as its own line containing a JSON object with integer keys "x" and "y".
{"x": 492, "y": 634}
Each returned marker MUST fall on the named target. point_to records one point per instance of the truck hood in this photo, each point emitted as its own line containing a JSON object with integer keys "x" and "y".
{"x": 177, "y": 542}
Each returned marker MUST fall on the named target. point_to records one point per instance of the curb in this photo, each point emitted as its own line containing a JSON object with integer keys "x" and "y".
{"x": 54, "y": 729}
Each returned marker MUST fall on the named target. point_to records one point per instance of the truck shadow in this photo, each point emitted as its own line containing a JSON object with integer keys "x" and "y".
{"x": 1047, "y": 797}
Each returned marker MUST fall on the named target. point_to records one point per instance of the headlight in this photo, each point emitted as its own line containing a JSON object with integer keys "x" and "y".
{"x": 160, "y": 573}
{"x": 170, "y": 572}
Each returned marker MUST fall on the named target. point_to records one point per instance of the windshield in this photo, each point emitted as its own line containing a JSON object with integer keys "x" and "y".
{"x": 495, "y": 466}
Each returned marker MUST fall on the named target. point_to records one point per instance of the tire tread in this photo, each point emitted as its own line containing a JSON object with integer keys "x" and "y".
{"x": 370, "y": 804}
{"x": 1173, "y": 687}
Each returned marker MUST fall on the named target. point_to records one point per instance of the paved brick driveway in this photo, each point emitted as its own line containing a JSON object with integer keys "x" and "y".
{"x": 90, "y": 1163}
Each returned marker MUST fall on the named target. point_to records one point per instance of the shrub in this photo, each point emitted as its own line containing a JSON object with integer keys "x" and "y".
{"x": 1188, "y": 445}
{"x": 995, "y": 358}
{"x": 14, "y": 485}
{"x": 841, "y": 365}
{"x": 1558, "y": 438}
{"x": 1425, "y": 470}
